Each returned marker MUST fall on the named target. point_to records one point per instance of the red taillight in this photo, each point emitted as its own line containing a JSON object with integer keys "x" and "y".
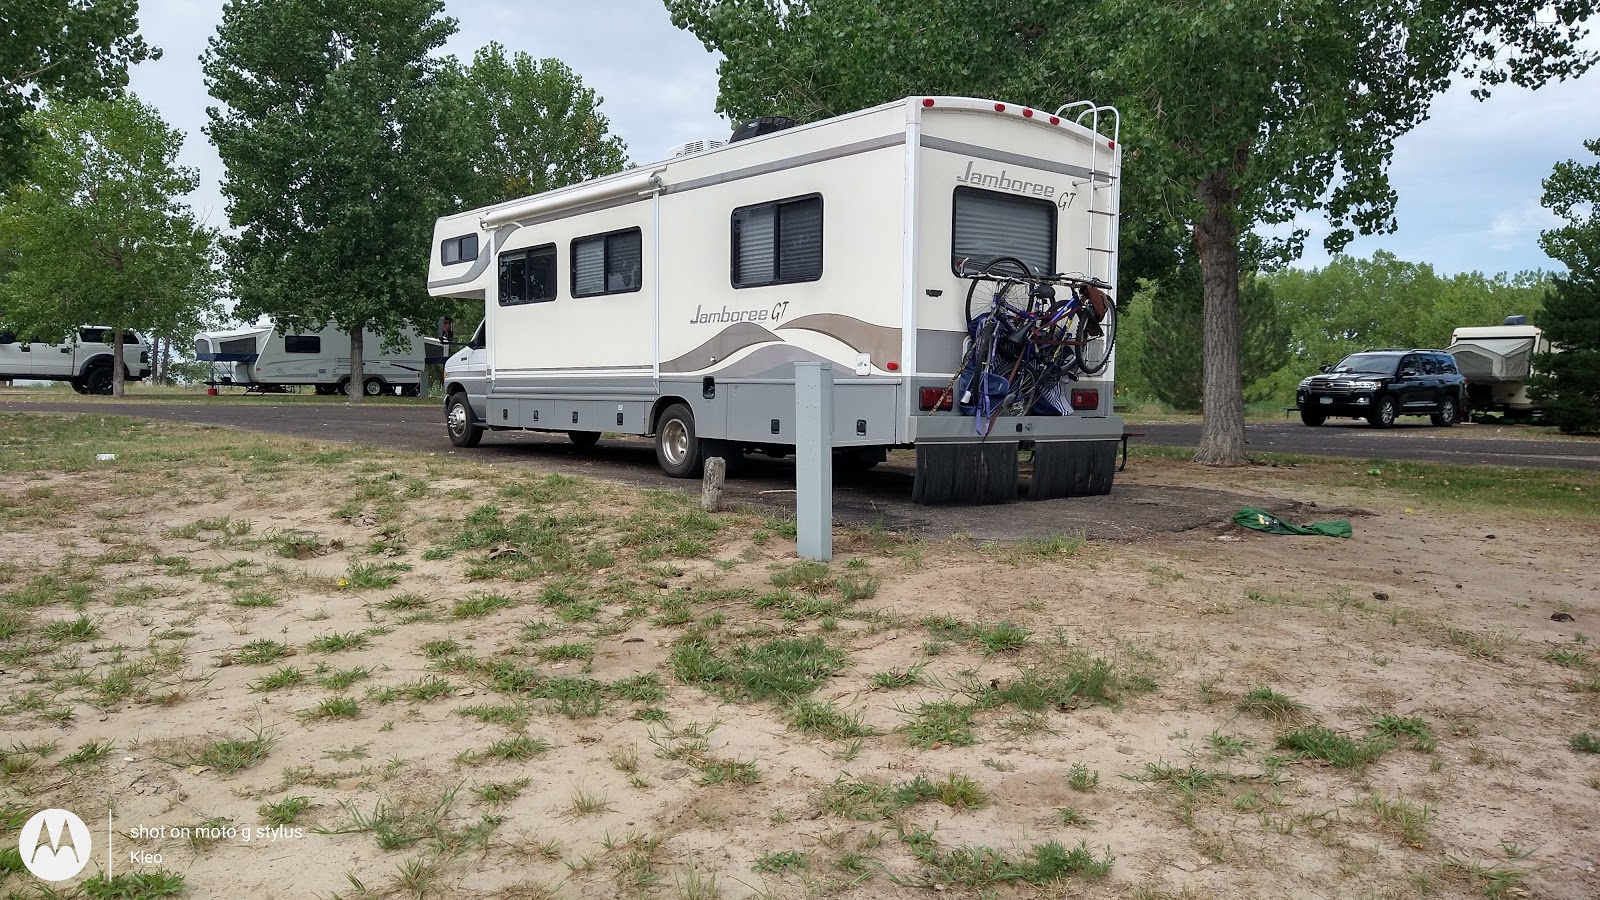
{"x": 892, "y": 366}
{"x": 940, "y": 398}
{"x": 999, "y": 107}
{"x": 927, "y": 101}
{"x": 1027, "y": 114}
{"x": 1111, "y": 144}
{"x": 1055, "y": 120}
{"x": 1085, "y": 399}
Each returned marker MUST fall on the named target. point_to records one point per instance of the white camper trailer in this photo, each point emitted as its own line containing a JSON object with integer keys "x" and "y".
{"x": 675, "y": 299}
{"x": 1497, "y": 361}
{"x": 268, "y": 357}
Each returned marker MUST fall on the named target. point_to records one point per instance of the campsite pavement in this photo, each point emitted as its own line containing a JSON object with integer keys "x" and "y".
{"x": 880, "y": 497}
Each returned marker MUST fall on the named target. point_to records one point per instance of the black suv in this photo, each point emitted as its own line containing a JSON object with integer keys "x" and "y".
{"x": 1380, "y": 385}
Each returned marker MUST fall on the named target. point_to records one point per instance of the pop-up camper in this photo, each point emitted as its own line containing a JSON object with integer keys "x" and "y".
{"x": 675, "y": 299}
{"x": 271, "y": 357}
{"x": 1497, "y": 361}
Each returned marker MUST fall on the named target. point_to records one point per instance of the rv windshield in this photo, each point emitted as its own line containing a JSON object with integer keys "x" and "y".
{"x": 1375, "y": 363}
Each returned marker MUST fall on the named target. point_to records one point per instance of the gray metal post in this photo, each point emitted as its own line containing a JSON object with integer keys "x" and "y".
{"x": 813, "y": 471}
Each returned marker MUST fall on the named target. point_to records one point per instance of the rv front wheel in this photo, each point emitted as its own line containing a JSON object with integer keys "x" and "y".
{"x": 458, "y": 420}
{"x": 679, "y": 450}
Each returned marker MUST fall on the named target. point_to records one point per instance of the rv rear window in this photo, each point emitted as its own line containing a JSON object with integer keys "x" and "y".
{"x": 989, "y": 225}
{"x": 528, "y": 276}
{"x": 607, "y": 263}
{"x": 302, "y": 343}
{"x": 458, "y": 249}
{"x": 777, "y": 243}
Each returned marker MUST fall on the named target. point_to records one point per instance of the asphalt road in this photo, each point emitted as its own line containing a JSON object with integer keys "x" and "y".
{"x": 880, "y": 497}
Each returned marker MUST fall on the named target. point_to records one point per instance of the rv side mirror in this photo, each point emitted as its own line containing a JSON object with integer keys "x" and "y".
{"x": 447, "y": 330}
{"x": 1326, "y": 369}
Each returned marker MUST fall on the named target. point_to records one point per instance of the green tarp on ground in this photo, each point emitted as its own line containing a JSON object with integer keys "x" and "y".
{"x": 1261, "y": 520}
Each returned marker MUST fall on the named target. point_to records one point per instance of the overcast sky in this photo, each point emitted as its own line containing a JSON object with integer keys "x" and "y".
{"x": 1468, "y": 178}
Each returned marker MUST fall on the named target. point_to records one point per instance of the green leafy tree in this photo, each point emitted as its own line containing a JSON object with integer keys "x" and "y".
{"x": 1168, "y": 362}
{"x": 1567, "y": 383}
{"x": 66, "y": 49}
{"x": 538, "y": 127}
{"x": 1238, "y": 114}
{"x": 1256, "y": 111}
{"x": 98, "y": 235}
{"x": 341, "y": 139}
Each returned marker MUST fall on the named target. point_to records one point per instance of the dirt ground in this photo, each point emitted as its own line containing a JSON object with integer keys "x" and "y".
{"x": 294, "y": 669}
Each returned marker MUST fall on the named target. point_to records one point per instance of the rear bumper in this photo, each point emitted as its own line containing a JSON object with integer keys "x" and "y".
{"x": 957, "y": 429}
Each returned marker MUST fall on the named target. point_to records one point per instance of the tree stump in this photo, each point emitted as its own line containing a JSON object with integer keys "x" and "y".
{"x": 716, "y": 472}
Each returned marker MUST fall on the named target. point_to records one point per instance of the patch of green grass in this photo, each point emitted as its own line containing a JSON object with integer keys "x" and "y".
{"x": 1056, "y": 546}
{"x": 284, "y": 812}
{"x": 333, "y": 708}
{"x": 779, "y": 669}
{"x": 1407, "y": 819}
{"x": 285, "y": 676}
{"x": 899, "y": 678}
{"x": 1066, "y": 680}
{"x": 808, "y": 575}
{"x": 728, "y": 771}
{"x": 825, "y": 720}
{"x": 794, "y": 607}
{"x": 510, "y": 716}
{"x": 1006, "y": 637}
{"x": 1082, "y": 778}
{"x": 143, "y": 885}
{"x": 338, "y": 642}
{"x": 520, "y": 748}
{"x": 1266, "y": 703}
{"x": 82, "y": 628}
{"x": 1483, "y": 645}
{"x": 372, "y": 576}
{"x": 261, "y": 652}
{"x": 1584, "y": 742}
{"x": 1189, "y": 781}
{"x": 477, "y": 606}
{"x": 1319, "y": 742}
{"x": 1072, "y": 818}
{"x": 499, "y": 793}
{"x": 783, "y": 862}
{"x": 254, "y": 599}
{"x": 1571, "y": 659}
{"x": 981, "y": 868}
{"x": 941, "y": 723}
{"x": 1227, "y": 744}
{"x": 426, "y": 689}
{"x": 88, "y": 753}
{"x": 236, "y": 754}
{"x": 341, "y": 679}
{"x": 571, "y": 651}
{"x": 1398, "y": 729}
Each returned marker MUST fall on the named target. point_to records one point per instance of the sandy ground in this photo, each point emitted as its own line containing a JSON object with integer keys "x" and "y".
{"x": 499, "y": 741}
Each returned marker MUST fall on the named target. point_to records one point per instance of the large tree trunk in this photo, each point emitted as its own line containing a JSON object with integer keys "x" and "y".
{"x": 1216, "y": 239}
{"x": 357, "y": 371}
{"x": 118, "y": 370}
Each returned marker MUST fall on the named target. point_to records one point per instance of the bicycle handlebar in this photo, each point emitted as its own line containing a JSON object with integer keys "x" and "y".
{"x": 1057, "y": 278}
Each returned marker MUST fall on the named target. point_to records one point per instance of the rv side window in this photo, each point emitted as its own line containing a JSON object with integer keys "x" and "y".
{"x": 528, "y": 276}
{"x": 607, "y": 263}
{"x": 989, "y": 225}
{"x": 777, "y": 243}
{"x": 302, "y": 343}
{"x": 458, "y": 249}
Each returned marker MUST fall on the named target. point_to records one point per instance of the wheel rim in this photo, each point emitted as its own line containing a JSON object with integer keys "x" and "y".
{"x": 458, "y": 419}
{"x": 1448, "y": 413}
{"x": 1387, "y": 412}
{"x": 373, "y": 387}
{"x": 675, "y": 441}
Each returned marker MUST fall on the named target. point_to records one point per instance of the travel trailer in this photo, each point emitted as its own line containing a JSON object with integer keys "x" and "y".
{"x": 1496, "y": 361}
{"x": 271, "y": 358}
{"x": 675, "y": 299}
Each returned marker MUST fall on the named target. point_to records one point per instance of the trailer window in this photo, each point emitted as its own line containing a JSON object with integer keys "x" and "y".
{"x": 302, "y": 343}
{"x": 458, "y": 249}
{"x": 607, "y": 263}
{"x": 528, "y": 276}
{"x": 989, "y": 225}
{"x": 777, "y": 243}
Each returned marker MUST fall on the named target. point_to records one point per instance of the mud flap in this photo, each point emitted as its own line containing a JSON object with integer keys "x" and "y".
{"x": 968, "y": 474}
{"x": 1072, "y": 469}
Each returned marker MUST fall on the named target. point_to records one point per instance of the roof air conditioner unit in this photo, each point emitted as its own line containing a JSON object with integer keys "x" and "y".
{"x": 692, "y": 147}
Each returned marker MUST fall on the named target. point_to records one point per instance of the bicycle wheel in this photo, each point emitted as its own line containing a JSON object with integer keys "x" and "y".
{"x": 987, "y": 293}
{"x": 1095, "y": 339}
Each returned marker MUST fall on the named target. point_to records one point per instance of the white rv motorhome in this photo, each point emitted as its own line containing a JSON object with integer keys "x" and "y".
{"x": 675, "y": 299}
{"x": 270, "y": 357}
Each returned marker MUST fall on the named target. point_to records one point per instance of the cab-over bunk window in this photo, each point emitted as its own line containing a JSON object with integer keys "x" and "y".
{"x": 990, "y": 225}
{"x": 777, "y": 243}
{"x": 607, "y": 263}
{"x": 528, "y": 276}
{"x": 458, "y": 249}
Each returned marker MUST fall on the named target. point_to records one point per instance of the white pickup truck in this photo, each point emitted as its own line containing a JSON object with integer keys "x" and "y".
{"x": 85, "y": 363}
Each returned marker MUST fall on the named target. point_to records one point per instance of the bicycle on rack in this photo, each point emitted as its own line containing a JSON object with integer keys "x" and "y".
{"x": 1025, "y": 343}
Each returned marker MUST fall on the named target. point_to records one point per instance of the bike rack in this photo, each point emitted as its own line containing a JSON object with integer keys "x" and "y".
{"x": 1080, "y": 111}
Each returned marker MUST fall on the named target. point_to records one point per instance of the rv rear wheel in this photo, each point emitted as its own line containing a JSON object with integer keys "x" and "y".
{"x": 679, "y": 451}
{"x": 584, "y": 438}
{"x": 372, "y": 387}
{"x": 458, "y": 421}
